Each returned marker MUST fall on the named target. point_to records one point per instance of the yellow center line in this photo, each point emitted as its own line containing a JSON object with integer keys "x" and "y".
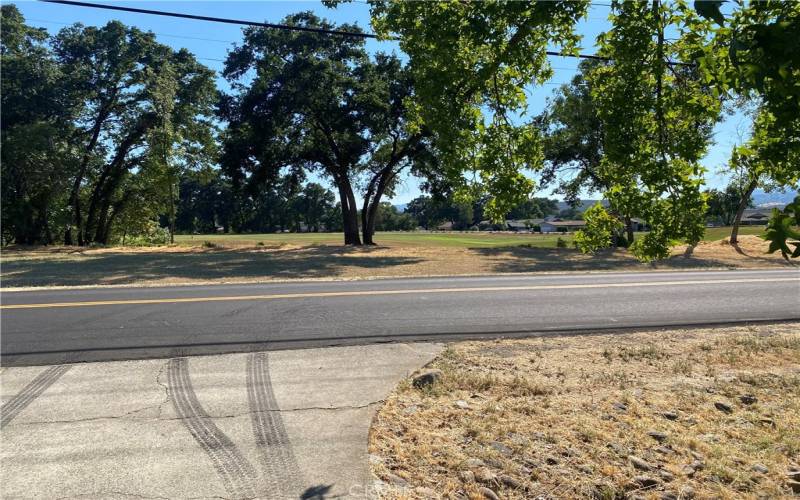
{"x": 179, "y": 300}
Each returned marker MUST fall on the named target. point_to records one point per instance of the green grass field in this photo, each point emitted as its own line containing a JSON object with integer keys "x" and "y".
{"x": 454, "y": 239}
{"x": 718, "y": 233}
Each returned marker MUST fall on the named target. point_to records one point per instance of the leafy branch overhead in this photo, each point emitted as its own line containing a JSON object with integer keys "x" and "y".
{"x": 783, "y": 228}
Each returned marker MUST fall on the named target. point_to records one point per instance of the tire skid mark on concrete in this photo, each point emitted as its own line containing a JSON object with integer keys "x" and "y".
{"x": 30, "y": 392}
{"x": 282, "y": 475}
{"x": 238, "y": 475}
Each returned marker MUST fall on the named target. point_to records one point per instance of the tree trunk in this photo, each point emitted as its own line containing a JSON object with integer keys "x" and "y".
{"x": 629, "y": 230}
{"x": 171, "y": 213}
{"x": 94, "y": 203}
{"x": 108, "y": 182}
{"x": 367, "y": 212}
{"x": 740, "y": 210}
{"x": 74, "y": 196}
{"x": 349, "y": 211}
{"x": 372, "y": 211}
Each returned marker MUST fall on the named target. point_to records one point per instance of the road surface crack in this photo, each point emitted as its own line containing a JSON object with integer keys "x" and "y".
{"x": 106, "y": 493}
{"x": 127, "y": 415}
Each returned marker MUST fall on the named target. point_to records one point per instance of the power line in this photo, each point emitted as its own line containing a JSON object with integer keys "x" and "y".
{"x": 240, "y": 22}
{"x": 259, "y": 24}
{"x": 159, "y": 34}
{"x": 213, "y": 19}
{"x": 154, "y": 32}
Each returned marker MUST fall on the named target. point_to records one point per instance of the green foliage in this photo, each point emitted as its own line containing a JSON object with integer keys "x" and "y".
{"x": 710, "y": 9}
{"x": 561, "y": 243}
{"x": 755, "y": 53}
{"x": 37, "y": 159}
{"x": 657, "y": 118}
{"x": 782, "y": 228}
{"x": 94, "y": 120}
{"x": 431, "y": 212}
{"x": 533, "y": 208}
{"x": 146, "y": 232}
{"x": 762, "y": 161}
{"x": 600, "y": 229}
{"x": 572, "y": 134}
{"x": 467, "y": 57}
{"x": 320, "y": 104}
{"x": 390, "y": 219}
{"x": 723, "y": 205}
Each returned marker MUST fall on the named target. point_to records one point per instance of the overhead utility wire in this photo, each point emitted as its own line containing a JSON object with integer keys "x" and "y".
{"x": 355, "y": 34}
{"x": 212, "y": 19}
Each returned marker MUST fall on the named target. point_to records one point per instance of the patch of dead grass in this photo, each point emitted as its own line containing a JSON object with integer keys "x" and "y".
{"x": 560, "y": 417}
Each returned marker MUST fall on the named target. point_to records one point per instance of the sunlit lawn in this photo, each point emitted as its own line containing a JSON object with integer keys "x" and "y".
{"x": 717, "y": 233}
{"x": 453, "y": 239}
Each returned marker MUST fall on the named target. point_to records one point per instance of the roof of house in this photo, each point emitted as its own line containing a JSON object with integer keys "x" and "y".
{"x": 524, "y": 223}
{"x": 567, "y": 223}
{"x": 756, "y": 216}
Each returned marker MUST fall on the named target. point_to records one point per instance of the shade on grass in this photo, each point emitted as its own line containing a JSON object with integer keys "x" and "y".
{"x": 450, "y": 239}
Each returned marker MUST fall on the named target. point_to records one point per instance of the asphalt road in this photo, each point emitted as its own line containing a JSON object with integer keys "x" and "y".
{"x": 63, "y": 326}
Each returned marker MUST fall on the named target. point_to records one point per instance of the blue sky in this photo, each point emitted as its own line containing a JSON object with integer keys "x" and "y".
{"x": 210, "y": 43}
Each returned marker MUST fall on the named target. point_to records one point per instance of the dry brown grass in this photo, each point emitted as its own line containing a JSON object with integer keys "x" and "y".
{"x": 569, "y": 412}
{"x": 67, "y": 266}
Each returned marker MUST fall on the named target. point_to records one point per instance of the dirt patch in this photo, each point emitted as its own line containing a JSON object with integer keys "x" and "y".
{"x": 704, "y": 413}
{"x": 67, "y": 266}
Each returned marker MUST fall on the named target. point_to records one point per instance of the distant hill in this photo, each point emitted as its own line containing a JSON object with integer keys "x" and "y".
{"x": 401, "y": 207}
{"x": 763, "y": 199}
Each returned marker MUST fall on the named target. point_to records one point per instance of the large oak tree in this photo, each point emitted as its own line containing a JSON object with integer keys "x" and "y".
{"x": 321, "y": 104}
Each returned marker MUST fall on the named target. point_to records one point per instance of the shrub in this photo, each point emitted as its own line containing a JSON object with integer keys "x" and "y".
{"x": 561, "y": 242}
{"x": 144, "y": 234}
{"x": 599, "y": 231}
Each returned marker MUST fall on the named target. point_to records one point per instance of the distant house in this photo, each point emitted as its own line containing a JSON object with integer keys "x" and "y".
{"x": 523, "y": 225}
{"x": 755, "y": 217}
{"x": 445, "y": 226}
{"x": 639, "y": 225}
{"x": 487, "y": 225}
{"x": 561, "y": 226}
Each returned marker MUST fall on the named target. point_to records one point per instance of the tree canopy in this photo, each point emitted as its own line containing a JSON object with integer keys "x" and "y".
{"x": 111, "y": 109}
{"x": 472, "y": 63}
{"x": 313, "y": 103}
{"x": 657, "y": 117}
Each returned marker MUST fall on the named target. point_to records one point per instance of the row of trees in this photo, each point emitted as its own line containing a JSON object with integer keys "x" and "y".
{"x": 207, "y": 204}
{"x": 96, "y": 123}
{"x": 101, "y": 125}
